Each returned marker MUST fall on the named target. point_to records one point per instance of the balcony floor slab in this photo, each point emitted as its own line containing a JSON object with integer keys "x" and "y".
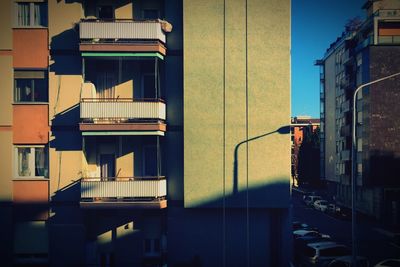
{"x": 156, "y": 204}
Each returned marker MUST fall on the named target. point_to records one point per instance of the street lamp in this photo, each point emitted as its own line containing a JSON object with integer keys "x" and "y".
{"x": 354, "y": 166}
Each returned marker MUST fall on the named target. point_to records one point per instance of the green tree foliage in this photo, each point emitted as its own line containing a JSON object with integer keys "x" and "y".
{"x": 309, "y": 158}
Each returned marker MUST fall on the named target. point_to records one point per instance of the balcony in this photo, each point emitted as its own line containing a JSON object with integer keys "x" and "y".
{"x": 123, "y": 36}
{"x": 146, "y": 116}
{"x": 124, "y": 192}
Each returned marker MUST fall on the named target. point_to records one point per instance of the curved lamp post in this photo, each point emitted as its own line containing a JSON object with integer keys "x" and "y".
{"x": 354, "y": 166}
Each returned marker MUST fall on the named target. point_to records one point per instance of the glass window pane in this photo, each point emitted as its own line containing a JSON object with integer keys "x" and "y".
{"x": 23, "y": 14}
{"x": 23, "y": 162}
{"x": 40, "y": 14}
{"x": 30, "y": 89}
{"x": 40, "y": 162}
{"x": 23, "y": 90}
{"x": 40, "y": 94}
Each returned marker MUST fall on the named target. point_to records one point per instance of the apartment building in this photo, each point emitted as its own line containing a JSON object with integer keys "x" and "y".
{"x": 145, "y": 133}
{"x": 301, "y": 127}
{"x": 366, "y": 51}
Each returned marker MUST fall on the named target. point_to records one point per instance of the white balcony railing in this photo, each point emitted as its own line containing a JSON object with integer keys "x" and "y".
{"x": 123, "y": 188}
{"x": 122, "y": 109}
{"x": 120, "y": 30}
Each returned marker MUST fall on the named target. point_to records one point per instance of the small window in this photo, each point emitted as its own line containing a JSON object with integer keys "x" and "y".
{"x": 31, "y": 14}
{"x": 150, "y": 14}
{"x": 31, "y": 161}
{"x": 106, "y": 12}
{"x": 152, "y": 247}
{"x": 30, "y": 86}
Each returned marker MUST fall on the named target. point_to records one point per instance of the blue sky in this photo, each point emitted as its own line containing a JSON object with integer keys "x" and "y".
{"x": 315, "y": 25}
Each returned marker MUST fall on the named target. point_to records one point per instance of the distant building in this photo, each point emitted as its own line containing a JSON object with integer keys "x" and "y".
{"x": 301, "y": 128}
{"x": 134, "y": 133}
{"x": 366, "y": 51}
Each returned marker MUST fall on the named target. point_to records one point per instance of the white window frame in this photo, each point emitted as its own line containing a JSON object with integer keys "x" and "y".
{"x": 31, "y": 14}
{"x": 31, "y": 162}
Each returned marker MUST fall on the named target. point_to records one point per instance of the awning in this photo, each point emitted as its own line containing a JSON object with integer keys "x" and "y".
{"x": 130, "y": 55}
{"x": 119, "y": 133}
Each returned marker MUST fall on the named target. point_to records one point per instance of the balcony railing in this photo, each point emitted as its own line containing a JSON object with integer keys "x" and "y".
{"x": 121, "y": 30}
{"x": 122, "y": 109}
{"x": 131, "y": 188}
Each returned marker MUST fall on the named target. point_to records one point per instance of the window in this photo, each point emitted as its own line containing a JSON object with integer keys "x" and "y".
{"x": 30, "y": 86}
{"x": 152, "y": 247}
{"x": 106, "y": 12}
{"x": 31, "y": 14}
{"x": 150, "y": 14}
{"x": 150, "y": 161}
{"x": 31, "y": 161}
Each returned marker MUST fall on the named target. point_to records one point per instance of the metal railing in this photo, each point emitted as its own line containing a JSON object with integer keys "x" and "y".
{"x": 122, "y": 108}
{"x": 124, "y": 187}
{"x": 121, "y": 30}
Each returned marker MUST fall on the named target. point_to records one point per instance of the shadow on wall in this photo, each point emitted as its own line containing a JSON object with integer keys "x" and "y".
{"x": 384, "y": 170}
{"x": 65, "y": 52}
{"x": 200, "y": 236}
{"x": 65, "y": 130}
{"x": 71, "y": 192}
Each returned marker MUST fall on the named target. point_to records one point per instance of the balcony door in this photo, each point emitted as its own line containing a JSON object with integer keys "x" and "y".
{"x": 149, "y": 90}
{"x": 105, "y": 87}
{"x": 107, "y": 165}
{"x": 150, "y": 163}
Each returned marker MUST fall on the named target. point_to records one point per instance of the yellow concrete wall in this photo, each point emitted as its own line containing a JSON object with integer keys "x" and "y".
{"x": 64, "y": 93}
{"x": 65, "y": 80}
{"x": 65, "y": 169}
{"x": 124, "y": 164}
{"x": 6, "y": 90}
{"x": 269, "y": 98}
{"x": 124, "y": 11}
{"x": 6, "y": 24}
{"x": 203, "y": 105}
{"x": 210, "y": 138}
{"x": 6, "y": 166}
{"x": 62, "y": 18}
{"x": 124, "y": 90}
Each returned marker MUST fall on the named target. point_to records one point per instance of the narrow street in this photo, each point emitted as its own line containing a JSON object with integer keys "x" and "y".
{"x": 373, "y": 242}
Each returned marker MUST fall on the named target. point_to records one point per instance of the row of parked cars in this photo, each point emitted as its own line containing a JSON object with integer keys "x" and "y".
{"x": 322, "y": 205}
{"x": 312, "y": 248}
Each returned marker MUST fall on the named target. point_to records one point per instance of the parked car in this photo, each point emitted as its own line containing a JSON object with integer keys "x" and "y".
{"x": 312, "y": 193}
{"x": 304, "y": 232}
{"x": 296, "y": 225}
{"x": 309, "y": 200}
{"x": 346, "y": 261}
{"x": 321, "y": 205}
{"x": 322, "y": 253}
{"x": 333, "y": 209}
{"x": 388, "y": 263}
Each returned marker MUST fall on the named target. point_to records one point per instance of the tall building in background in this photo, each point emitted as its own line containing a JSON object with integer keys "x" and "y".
{"x": 302, "y": 127}
{"x": 144, "y": 133}
{"x": 367, "y": 50}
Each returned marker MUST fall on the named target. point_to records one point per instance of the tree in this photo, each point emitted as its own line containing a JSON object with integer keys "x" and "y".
{"x": 309, "y": 157}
